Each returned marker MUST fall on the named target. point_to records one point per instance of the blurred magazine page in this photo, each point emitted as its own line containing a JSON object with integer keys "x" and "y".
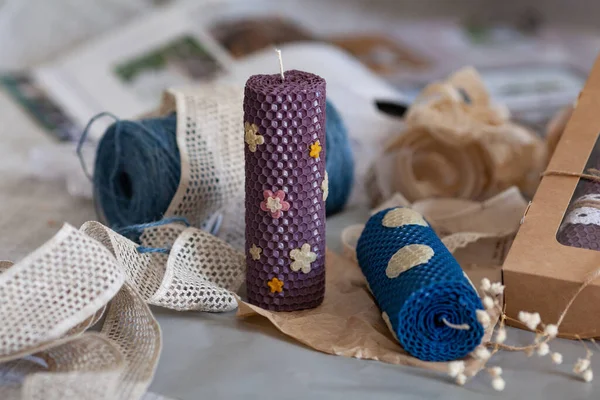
{"x": 125, "y": 71}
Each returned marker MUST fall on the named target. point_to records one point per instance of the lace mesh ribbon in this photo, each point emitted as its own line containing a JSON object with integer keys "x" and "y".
{"x": 51, "y": 297}
{"x": 210, "y": 141}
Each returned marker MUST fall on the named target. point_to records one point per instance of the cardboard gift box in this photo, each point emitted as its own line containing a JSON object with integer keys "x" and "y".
{"x": 547, "y": 263}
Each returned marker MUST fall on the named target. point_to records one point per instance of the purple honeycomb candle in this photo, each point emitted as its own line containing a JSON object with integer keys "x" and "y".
{"x": 286, "y": 188}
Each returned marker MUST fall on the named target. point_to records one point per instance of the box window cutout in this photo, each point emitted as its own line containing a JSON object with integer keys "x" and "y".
{"x": 581, "y": 224}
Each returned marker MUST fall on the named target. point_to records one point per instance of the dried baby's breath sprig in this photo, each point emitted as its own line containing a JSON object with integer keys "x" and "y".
{"x": 581, "y": 365}
{"x": 529, "y": 351}
{"x": 490, "y": 300}
{"x": 491, "y": 293}
{"x": 491, "y": 303}
{"x": 544, "y": 333}
{"x": 497, "y": 382}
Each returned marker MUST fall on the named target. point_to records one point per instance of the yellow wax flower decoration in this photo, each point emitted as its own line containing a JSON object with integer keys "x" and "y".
{"x": 252, "y": 137}
{"x": 275, "y": 285}
{"x": 315, "y": 149}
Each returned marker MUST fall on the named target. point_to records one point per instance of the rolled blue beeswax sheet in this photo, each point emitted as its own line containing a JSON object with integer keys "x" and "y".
{"x": 419, "y": 286}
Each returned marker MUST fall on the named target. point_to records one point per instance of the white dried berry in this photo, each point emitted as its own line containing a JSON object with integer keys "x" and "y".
{"x": 501, "y": 335}
{"x": 497, "y": 288}
{"x": 543, "y": 349}
{"x": 581, "y": 365}
{"x": 482, "y": 353}
{"x": 557, "y": 358}
{"x": 498, "y": 384}
{"x": 551, "y": 330}
{"x": 485, "y": 285}
{"x": 531, "y": 320}
{"x": 488, "y": 302}
{"x": 456, "y": 368}
{"x": 495, "y": 371}
{"x": 484, "y": 318}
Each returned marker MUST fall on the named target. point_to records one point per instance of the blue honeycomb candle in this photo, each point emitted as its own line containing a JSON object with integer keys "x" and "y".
{"x": 426, "y": 299}
{"x": 286, "y": 189}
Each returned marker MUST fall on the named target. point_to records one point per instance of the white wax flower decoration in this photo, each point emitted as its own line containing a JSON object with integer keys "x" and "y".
{"x": 303, "y": 258}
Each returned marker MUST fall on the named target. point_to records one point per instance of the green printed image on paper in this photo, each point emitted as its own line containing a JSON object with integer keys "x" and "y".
{"x": 179, "y": 62}
{"x": 44, "y": 110}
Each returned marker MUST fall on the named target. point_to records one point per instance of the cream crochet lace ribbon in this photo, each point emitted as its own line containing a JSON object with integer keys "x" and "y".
{"x": 51, "y": 297}
{"x": 209, "y": 120}
{"x": 55, "y": 294}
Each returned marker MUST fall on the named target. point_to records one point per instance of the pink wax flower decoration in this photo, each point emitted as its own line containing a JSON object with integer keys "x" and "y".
{"x": 274, "y": 203}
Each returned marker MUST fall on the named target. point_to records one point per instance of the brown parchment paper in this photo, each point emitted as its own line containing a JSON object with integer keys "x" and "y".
{"x": 348, "y": 323}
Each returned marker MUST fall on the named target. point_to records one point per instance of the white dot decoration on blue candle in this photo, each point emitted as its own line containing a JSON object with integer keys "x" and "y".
{"x": 402, "y": 216}
{"x": 408, "y": 257}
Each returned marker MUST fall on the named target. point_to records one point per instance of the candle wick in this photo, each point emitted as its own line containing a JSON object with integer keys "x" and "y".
{"x": 280, "y": 64}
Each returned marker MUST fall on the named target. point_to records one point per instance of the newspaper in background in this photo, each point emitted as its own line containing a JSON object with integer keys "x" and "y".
{"x": 529, "y": 67}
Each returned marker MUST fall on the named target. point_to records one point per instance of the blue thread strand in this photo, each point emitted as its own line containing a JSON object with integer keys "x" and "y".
{"x": 138, "y": 229}
{"x": 144, "y": 250}
{"x": 83, "y": 139}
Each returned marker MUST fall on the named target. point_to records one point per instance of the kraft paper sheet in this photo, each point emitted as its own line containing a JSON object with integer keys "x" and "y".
{"x": 348, "y": 323}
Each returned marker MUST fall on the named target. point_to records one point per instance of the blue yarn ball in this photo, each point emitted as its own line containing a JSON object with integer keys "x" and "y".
{"x": 339, "y": 162}
{"x": 137, "y": 171}
{"x": 138, "y": 168}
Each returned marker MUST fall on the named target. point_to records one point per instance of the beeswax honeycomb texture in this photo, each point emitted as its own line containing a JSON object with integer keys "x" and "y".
{"x": 291, "y": 118}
